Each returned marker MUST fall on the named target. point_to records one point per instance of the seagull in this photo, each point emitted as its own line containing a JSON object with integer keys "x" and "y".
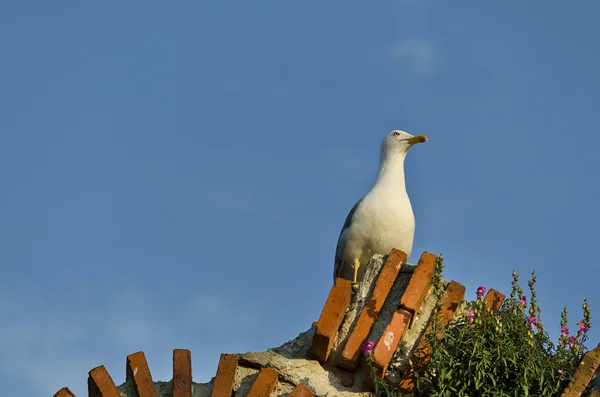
{"x": 383, "y": 219}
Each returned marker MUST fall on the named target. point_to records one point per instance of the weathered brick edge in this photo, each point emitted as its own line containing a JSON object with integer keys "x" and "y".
{"x": 389, "y": 341}
{"x": 223, "y": 386}
{"x": 182, "y": 373}
{"x": 583, "y": 374}
{"x": 64, "y": 392}
{"x": 137, "y": 371}
{"x": 100, "y": 384}
{"x": 265, "y": 383}
{"x": 410, "y": 303}
{"x": 370, "y": 312}
{"x": 301, "y": 391}
{"x": 493, "y": 299}
{"x": 419, "y": 284}
{"x": 331, "y": 318}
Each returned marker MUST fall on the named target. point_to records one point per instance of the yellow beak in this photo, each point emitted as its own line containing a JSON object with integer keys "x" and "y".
{"x": 417, "y": 139}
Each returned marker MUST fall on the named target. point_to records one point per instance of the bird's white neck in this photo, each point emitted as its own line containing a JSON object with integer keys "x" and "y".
{"x": 391, "y": 171}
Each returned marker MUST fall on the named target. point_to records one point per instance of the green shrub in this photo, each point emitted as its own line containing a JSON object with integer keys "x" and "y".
{"x": 484, "y": 352}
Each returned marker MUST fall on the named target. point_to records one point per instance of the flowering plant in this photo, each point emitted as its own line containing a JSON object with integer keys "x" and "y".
{"x": 368, "y": 348}
{"x": 485, "y": 352}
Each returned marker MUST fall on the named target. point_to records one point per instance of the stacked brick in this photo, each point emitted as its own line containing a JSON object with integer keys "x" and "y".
{"x": 100, "y": 384}
{"x": 402, "y": 319}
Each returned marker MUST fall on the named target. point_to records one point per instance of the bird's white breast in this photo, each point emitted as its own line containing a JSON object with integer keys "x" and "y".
{"x": 386, "y": 213}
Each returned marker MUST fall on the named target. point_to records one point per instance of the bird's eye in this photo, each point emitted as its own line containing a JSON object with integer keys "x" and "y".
{"x": 396, "y": 133}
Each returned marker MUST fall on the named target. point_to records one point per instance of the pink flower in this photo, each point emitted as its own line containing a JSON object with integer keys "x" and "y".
{"x": 564, "y": 331}
{"x": 582, "y": 328}
{"x": 523, "y": 301}
{"x": 560, "y": 371}
{"x": 572, "y": 341}
{"x": 480, "y": 292}
{"x": 532, "y": 322}
{"x": 368, "y": 347}
{"x": 470, "y": 315}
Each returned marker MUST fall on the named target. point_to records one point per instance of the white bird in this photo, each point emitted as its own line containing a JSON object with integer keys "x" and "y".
{"x": 383, "y": 219}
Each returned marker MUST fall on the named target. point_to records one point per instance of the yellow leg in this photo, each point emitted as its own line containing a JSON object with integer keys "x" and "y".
{"x": 356, "y": 266}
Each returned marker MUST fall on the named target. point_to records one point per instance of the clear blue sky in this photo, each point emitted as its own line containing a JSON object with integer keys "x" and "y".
{"x": 175, "y": 175}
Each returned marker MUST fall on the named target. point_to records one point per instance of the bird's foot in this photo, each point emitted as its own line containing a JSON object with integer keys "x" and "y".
{"x": 356, "y": 266}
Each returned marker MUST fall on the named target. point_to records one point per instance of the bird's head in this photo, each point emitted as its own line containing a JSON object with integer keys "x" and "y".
{"x": 399, "y": 142}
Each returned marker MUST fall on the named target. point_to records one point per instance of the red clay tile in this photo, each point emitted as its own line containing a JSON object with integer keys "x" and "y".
{"x": 223, "y": 386}
{"x": 264, "y": 384}
{"x": 584, "y": 373}
{"x": 331, "y": 318}
{"x": 391, "y": 337}
{"x": 182, "y": 373}
{"x": 453, "y": 297}
{"x": 138, "y": 372}
{"x": 301, "y": 391}
{"x": 100, "y": 384}
{"x": 419, "y": 284}
{"x": 64, "y": 392}
{"x": 493, "y": 299}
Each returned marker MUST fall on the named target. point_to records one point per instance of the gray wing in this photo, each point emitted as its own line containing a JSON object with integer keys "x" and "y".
{"x": 337, "y": 263}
